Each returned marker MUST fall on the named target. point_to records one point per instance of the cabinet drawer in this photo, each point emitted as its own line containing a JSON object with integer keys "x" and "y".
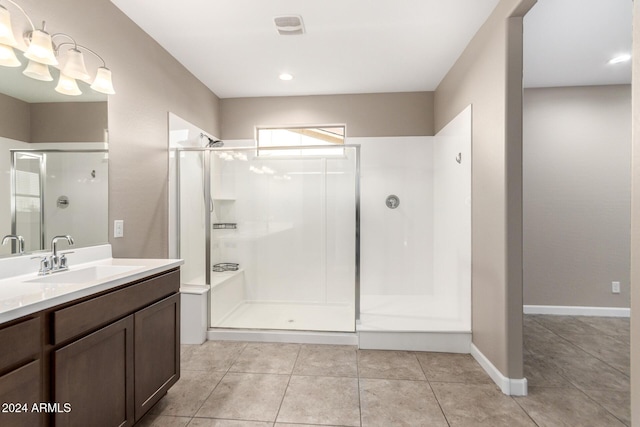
{"x": 91, "y": 314}
{"x": 24, "y": 340}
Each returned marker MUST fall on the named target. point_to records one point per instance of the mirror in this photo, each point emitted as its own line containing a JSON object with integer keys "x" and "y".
{"x": 53, "y": 162}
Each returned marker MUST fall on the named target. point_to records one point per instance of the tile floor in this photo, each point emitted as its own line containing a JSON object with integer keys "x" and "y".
{"x": 577, "y": 368}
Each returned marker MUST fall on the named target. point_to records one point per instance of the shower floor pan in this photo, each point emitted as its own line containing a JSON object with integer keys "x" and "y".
{"x": 291, "y": 316}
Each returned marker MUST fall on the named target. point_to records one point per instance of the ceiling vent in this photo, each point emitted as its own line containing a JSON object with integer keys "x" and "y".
{"x": 289, "y": 25}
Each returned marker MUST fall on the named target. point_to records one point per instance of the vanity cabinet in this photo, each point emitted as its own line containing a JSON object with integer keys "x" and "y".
{"x": 157, "y": 352}
{"x": 103, "y": 360}
{"x": 21, "y": 373}
{"x": 94, "y": 376}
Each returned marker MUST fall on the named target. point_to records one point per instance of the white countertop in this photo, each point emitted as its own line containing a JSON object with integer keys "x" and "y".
{"x": 20, "y": 295}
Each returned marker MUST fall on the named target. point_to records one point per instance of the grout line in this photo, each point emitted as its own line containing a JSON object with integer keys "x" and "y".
{"x": 219, "y": 381}
{"x": 600, "y": 405}
{"x": 433, "y": 392}
{"x": 524, "y": 410}
{"x": 288, "y": 382}
{"x": 359, "y": 389}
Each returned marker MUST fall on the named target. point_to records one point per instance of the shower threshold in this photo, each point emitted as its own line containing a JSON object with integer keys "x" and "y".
{"x": 290, "y": 316}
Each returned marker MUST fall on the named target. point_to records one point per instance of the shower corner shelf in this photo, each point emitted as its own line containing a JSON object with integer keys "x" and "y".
{"x": 225, "y": 226}
{"x": 223, "y": 199}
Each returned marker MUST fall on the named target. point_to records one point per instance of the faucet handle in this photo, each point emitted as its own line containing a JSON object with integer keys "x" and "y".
{"x": 45, "y": 266}
{"x": 62, "y": 262}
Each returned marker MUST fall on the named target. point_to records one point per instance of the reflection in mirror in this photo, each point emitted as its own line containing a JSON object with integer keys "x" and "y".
{"x": 57, "y": 193}
{"x": 46, "y": 135}
{"x": 299, "y": 136}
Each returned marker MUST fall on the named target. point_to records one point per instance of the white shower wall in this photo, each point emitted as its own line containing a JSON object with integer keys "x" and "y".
{"x": 416, "y": 259}
{"x": 452, "y": 220}
{"x": 396, "y": 245}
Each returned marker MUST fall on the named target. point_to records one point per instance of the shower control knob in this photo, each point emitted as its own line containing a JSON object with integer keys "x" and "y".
{"x": 393, "y": 201}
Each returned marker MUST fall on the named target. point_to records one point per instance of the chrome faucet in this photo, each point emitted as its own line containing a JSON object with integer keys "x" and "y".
{"x": 54, "y": 263}
{"x": 19, "y": 239}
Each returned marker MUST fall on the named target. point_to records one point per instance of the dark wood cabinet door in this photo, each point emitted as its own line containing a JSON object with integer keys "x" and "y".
{"x": 157, "y": 355}
{"x": 20, "y": 390}
{"x": 95, "y": 376}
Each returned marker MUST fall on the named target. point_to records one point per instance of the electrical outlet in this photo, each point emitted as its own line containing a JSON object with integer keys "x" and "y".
{"x": 615, "y": 287}
{"x": 118, "y": 228}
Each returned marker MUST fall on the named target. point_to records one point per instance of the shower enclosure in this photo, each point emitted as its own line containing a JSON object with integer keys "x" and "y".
{"x": 274, "y": 232}
{"x": 372, "y": 237}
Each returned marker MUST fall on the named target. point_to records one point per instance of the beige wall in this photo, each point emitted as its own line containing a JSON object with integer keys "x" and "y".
{"x": 488, "y": 75}
{"x": 149, "y": 83}
{"x": 68, "y": 121}
{"x": 15, "y": 121}
{"x": 635, "y": 220}
{"x": 52, "y": 121}
{"x": 377, "y": 114}
{"x": 577, "y": 146}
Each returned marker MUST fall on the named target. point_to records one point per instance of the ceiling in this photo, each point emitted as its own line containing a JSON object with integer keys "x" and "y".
{"x": 372, "y": 46}
{"x": 570, "y": 42}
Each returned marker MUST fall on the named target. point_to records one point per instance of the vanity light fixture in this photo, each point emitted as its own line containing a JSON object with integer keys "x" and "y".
{"x": 42, "y": 52}
{"x": 40, "y": 47}
{"x": 68, "y": 86}
{"x": 102, "y": 83}
{"x": 38, "y": 71}
{"x": 7, "y": 40}
{"x": 8, "y": 56}
{"x": 6, "y": 32}
{"x": 75, "y": 68}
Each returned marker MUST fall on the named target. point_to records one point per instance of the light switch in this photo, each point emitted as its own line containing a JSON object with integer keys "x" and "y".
{"x": 118, "y": 228}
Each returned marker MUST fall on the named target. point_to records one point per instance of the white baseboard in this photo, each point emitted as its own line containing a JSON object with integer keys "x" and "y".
{"x": 509, "y": 386}
{"x": 565, "y": 310}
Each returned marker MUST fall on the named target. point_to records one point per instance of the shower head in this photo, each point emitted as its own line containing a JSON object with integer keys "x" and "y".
{"x": 211, "y": 143}
{"x": 214, "y": 143}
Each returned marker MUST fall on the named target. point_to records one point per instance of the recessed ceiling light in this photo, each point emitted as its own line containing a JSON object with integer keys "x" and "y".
{"x": 286, "y": 76}
{"x": 620, "y": 58}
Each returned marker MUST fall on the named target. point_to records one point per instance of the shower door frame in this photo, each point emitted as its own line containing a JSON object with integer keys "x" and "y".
{"x": 207, "y": 151}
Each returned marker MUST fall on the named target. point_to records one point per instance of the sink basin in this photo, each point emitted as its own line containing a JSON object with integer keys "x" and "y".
{"x": 88, "y": 274}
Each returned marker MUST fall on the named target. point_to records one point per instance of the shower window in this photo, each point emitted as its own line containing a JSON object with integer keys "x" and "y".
{"x": 269, "y": 137}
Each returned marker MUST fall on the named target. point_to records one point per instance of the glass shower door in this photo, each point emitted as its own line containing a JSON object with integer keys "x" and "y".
{"x": 283, "y": 240}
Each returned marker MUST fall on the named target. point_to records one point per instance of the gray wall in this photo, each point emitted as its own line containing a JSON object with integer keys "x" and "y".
{"x": 635, "y": 219}
{"x": 488, "y": 75}
{"x": 52, "y": 121}
{"x": 149, "y": 83}
{"x": 68, "y": 121}
{"x": 15, "y": 119}
{"x": 577, "y": 146}
{"x": 377, "y": 114}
